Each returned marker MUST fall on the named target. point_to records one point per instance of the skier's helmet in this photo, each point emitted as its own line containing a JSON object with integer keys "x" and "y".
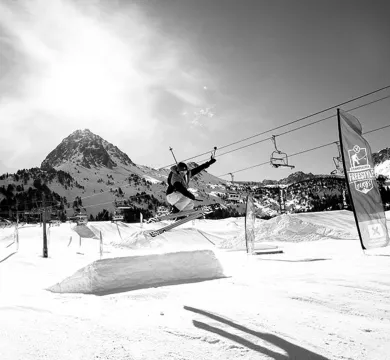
{"x": 181, "y": 166}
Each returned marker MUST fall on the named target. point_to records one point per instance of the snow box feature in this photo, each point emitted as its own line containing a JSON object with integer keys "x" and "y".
{"x": 115, "y": 275}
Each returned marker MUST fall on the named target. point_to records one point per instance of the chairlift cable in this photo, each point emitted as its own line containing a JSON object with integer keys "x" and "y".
{"x": 266, "y": 139}
{"x": 263, "y": 140}
{"x": 293, "y": 122}
{"x": 301, "y": 127}
{"x": 304, "y": 151}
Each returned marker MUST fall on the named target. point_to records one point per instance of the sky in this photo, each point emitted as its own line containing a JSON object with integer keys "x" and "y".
{"x": 149, "y": 75}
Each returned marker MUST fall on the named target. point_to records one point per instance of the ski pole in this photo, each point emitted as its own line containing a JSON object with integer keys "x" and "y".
{"x": 213, "y": 152}
{"x": 173, "y": 154}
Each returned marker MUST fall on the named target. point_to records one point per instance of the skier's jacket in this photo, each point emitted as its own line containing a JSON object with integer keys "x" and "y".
{"x": 179, "y": 182}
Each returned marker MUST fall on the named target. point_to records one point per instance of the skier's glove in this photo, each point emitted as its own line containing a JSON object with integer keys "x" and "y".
{"x": 191, "y": 196}
{"x": 212, "y": 161}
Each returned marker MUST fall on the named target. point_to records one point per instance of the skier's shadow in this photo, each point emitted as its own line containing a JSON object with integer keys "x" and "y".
{"x": 293, "y": 351}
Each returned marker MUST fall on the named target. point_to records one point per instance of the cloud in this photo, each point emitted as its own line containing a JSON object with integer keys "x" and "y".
{"x": 92, "y": 65}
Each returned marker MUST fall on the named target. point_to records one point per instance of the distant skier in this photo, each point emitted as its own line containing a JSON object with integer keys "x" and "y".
{"x": 178, "y": 180}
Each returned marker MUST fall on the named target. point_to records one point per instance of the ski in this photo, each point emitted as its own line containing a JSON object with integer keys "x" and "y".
{"x": 193, "y": 216}
{"x": 171, "y": 216}
{"x": 180, "y": 214}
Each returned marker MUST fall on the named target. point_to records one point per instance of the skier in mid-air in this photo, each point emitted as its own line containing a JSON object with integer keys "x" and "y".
{"x": 178, "y": 180}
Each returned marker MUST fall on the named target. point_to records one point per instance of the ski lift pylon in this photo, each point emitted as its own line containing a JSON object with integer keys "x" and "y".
{"x": 279, "y": 158}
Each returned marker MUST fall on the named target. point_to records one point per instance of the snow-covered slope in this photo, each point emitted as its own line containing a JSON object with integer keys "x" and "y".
{"x": 329, "y": 283}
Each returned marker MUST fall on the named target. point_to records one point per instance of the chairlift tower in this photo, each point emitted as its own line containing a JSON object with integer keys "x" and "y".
{"x": 282, "y": 199}
{"x": 232, "y": 176}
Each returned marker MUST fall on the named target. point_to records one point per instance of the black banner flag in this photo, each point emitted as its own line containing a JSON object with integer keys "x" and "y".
{"x": 360, "y": 177}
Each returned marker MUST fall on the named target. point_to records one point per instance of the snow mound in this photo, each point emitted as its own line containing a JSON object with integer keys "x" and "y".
{"x": 294, "y": 229}
{"x": 109, "y": 276}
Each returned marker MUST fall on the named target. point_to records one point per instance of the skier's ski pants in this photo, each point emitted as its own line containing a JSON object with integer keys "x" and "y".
{"x": 180, "y": 201}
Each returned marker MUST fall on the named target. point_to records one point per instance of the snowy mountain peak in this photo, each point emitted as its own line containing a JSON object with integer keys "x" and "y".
{"x": 87, "y": 149}
{"x": 83, "y": 133}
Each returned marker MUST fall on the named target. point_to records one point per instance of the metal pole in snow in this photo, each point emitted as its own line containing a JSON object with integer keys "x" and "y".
{"x": 101, "y": 245}
{"x": 43, "y": 214}
{"x": 17, "y": 237}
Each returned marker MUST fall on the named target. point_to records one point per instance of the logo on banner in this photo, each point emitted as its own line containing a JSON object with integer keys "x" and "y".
{"x": 375, "y": 231}
{"x": 361, "y": 174}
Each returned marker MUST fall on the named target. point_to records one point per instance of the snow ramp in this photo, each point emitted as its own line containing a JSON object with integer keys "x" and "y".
{"x": 115, "y": 275}
{"x": 85, "y": 232}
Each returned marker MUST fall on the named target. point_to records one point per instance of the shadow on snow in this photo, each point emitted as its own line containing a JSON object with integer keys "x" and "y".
{"x": 293, "y": 351}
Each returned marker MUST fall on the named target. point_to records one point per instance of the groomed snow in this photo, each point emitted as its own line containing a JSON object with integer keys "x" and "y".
{"x": 322, "y": 298}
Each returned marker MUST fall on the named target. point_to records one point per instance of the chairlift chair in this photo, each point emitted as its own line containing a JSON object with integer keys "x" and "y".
{"x": 233, "y": 195}
{"x": 119, "y": 213}
{"x": 339, "y": 168}
{"x": 79, "y": 218}
{"x": 120, "y": 207}
{"x": 120, "y": 203}
{"x": 33, "y": 216}
{"x": 279, "y": 158}
{"x": 55, "y": 217}
{"x": 117, "y": 216}
{"x": 233, "y": 187}
{"x": 338, "y": 162}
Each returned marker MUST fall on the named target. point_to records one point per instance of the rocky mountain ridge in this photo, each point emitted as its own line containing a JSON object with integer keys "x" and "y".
{"x": 86, "y": 149}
